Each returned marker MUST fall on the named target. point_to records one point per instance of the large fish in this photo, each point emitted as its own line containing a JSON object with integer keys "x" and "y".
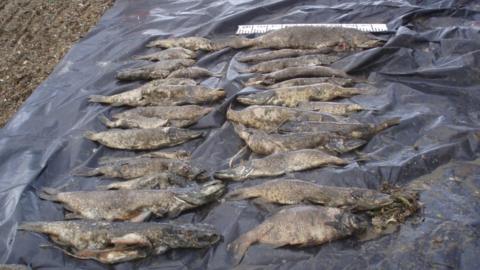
{"x": 335, "y": 108}
{"x": 295, "y": 72}
{"x": 134, "y": 205}
{"x": 165, "y": 95}
{"x": 301, "y": 226}
{"x": 161, "y": 180}
{"x": 350, "y": 130}
{"x": 279, "y": 164}
{"x": 278, "y": 64}
{"x": 193, "y": 73}
{"x": 269, "y": 118}
{"x": 263, "y": 143}
{"x": 179, "y": 154}
{"x": 157, "y": 116}
{"x": 293, "y": 96}
{"x": 345, "y": 82}
{"x": 158, "y": 70}
{"x": 277, "y": 54}
{"x": 190, "y": 43}
{"x": 115, "y": 242}
{"x": 168, "y": 54}
{"x": 143, "y": 139}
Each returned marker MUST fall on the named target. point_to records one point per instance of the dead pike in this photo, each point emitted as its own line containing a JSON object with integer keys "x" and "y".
{"x": 277, "y": 54}
{"x": 153, "y": 181}
{"x": 292, "y": 191}
{"x": 190, "y": 43}
{"x": 158, "y": 70}
{"x": 165, "y": 95}
{"x": 301, "y": 226}
{"x": 269, "y": 118}
{"x": 292, "y": 96}
{"x": 349, "y": 130}
{"x": 143, "y": 139}
{"x": 335, "y": 108}
{"x": 295, "y": 72}
{"x": 157, "y": 116}
{"x": 134, "y": 205}
{"x": 263, "y": 143}
{"x": 168, "y": 54}
{"x": 279, "y": 164}
{"x": 345, "y": 82}
{"x": 179, "y": 154}
{"x": 129, "y": 168}
{"x": 193, "y": 73}
{"x": 115, "y": 242}
{"x": 282, "y": 63}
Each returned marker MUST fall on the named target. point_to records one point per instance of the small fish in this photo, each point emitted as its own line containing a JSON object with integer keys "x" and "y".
{"x": 295, "y": 72}
{"x": 293, "y": 96}
{"x": 277, "y": 54}
{"x": 165, "y": 95}
{"x": 279, "y": 164}
{"x": 143, "y": 139}
{"x": 345, "y": 82}
{"x": 168, "y": 54}
{"x": 282, "y": 63}
{"x": 350, "y": 130}
{"x": 300, "y": 226}
{"x": 158, "y": 116}
{"x": 158, "y": 70}
{"x": 190, "y": 43}
{"x": 152, "y": 181}
{"x": 269, "y": 118}
{"x": 292, "y": 191}
{"x": 335, "y": 108}
{"x": 263, "y": 143}
{"x": 179, "y": 154}
{"x": 134, "y": 205}
{"x": 192, "y": 73}
{"x": 115, "y": 242}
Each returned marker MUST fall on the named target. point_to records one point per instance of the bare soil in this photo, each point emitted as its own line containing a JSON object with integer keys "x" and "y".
{"x": 34, "y": 36}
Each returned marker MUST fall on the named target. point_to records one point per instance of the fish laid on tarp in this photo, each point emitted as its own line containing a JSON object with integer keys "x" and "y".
{"x": 190, "y": 43}
{"x": 143, "y": 139}
{"x": 350, "y": 130}
{"x": 279, "y": 164}
{"x": 134, "y": 205}
{"x": 264, "y": 143}
{"x": 295, "y": 72}
{"x": 277, "y": 54}
{"x": 292, "y": 96}
{"x": 330, "y": 107}
{"x": 115, "y": 242}
{"x": 278, "y": 64}
{"x": 269, "y": 118}
{"x": 165, "y": 95}
{"x": 157, "y": 116}
{"x": 158, "y": 70}
{"x": 168, "y": 54}
{"x": 345, "y": 82}
{"x": 179, "y": 154}
{"x": 160, "y": 180}
{"x": 193, "y": 73}
{"x": 301, "y": 226}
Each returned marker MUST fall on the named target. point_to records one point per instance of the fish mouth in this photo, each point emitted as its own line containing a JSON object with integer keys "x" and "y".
{"x": 235, "y": 174}
{"x": 371, "y": 43}
{"x": 208, "y": 192}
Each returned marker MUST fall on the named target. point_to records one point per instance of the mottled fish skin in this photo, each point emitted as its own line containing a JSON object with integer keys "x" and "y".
{"x": 157, "y": 116}
{"x": 152, "y": 181}
{"x": 345, "y": 82}
{"x": 278, "y": 64}
{"x": 165, "y": 95}
{"x": 263, "y": 143}
{"x": 293, "y": 191}
{"x": 293, "y": 96}
{"x": 269, "y": 118}
{"x": 13, "y": 267}
{"x": 335, "y": 108}
{"x": 143, "y": 139}
{"x": 295, "y": 72}
{"x": 193, "y": 73}
{"x": 277, "y": 54}
{"x": 158, "y": 70}
{"x": 300, "y": 226}
{"x": 350, "y": 130}
{"x": 179, "y": 154}
{"x": 168, "y": 54}
{"x": 115, "y": 242}
{"x": 279, "y": 164}
{"x": 190, "y": 43}
{"x": 134, "y": 205}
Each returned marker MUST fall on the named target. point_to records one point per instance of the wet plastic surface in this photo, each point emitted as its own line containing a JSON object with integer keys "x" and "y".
{"x": 427, "y": 73}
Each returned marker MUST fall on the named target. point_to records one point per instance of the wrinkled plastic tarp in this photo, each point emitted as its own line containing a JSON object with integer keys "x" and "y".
{"x": 428, "y": 74}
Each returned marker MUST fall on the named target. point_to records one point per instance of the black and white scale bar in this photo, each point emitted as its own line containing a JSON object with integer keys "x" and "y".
{"x": 263, "y": 28}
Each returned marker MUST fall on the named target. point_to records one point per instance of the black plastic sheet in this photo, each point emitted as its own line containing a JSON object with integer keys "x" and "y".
{"x": 427, "y": 73}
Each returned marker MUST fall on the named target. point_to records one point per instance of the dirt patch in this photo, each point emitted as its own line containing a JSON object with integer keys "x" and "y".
{"x": 34, "y": 36}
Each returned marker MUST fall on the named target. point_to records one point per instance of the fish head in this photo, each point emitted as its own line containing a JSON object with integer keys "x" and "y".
{"x": 352, "y": 223}
{"x": 366, "y": 41}
{"x": 259, "y": 98}
{"x": 207, "y": 192}
{"x": 236, "y": 174}
{"x": 201, "y": 235}
{"x": 342, "y": 145}
{"x": 371, "y": 199}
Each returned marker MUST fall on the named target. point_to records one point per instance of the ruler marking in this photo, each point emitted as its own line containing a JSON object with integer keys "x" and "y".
{"x": 263, "y": 28}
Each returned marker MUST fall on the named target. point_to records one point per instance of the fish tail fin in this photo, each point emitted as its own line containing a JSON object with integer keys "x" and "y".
{"x": 240, "y": 246}
{"x": 86, "y": 171}
{"x": 107, "y": 122}
{"x": 90, "y": 135}
{"x": 239, "y": 194}
{"x": 98, "y": 99}
{"x": 48, "y": 194}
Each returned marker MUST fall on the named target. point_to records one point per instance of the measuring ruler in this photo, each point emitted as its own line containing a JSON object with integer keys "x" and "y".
{"x": 263, "y": 28}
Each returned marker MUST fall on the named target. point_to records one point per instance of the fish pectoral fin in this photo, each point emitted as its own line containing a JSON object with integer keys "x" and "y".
{"x": 131, "y": 239}
{"x": 142, "y": 216}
